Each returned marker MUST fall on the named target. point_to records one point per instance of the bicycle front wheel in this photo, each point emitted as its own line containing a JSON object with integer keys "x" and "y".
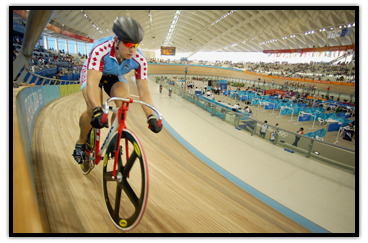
{"x": 125, "y": 194}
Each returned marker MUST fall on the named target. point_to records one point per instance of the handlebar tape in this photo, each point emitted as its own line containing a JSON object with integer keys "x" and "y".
{"x": 158, "y": 124}
{"x": 104, "y": 118}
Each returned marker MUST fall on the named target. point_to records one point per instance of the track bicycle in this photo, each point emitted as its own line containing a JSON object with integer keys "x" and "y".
{"x": 125, "y": 168}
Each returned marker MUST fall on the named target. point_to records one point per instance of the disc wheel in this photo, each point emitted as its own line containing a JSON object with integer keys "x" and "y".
{"x": 125, "y": 194}
{"x": 87, "y": 164}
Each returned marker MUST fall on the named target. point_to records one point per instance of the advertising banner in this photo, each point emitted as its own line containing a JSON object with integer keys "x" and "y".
{"x": 50, "y": 92}
{"x": 304, "y": 117}
{"x": 334, "y": 127}
{"x": 31, "y": 101}
{"x": 311, "y": 134}
{"x": 343, "y": 115}
{"x": 321, "y": 132}
{"x": 286, "y": 111}
{"x": 269, "y": 106}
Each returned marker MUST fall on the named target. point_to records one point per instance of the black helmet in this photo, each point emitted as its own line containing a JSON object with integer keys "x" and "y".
{"x": 128, "y": 29}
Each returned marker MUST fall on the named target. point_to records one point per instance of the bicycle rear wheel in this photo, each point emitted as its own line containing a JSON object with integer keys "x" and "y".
{"x": 126, "y": 195}
{"x": 87, "y": 164}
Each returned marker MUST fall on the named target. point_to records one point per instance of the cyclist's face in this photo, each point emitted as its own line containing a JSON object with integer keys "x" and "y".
{"x": 126, "y": 52}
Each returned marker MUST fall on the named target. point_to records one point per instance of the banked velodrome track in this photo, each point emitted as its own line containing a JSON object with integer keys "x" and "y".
{"x": 185, "y": 195}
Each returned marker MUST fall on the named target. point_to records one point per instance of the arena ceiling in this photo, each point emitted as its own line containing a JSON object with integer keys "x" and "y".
{"x": 227, "y": 30}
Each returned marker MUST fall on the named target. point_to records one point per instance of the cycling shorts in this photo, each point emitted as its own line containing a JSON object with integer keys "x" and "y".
{"x": 106, "y": 81}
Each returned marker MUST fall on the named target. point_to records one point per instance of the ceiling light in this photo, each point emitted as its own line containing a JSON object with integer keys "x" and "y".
{"x": 354, "y": 24}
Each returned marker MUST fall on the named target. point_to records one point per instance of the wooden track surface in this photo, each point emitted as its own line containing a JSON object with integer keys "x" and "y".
{"x": 185, "y": 195}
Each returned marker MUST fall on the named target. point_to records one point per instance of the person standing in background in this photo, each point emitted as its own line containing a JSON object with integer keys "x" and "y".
{"x": 297, "y": 137}
{"x": 263, "y": 130}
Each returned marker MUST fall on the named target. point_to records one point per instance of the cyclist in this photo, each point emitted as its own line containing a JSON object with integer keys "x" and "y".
{"x": 160, "y": 88}
{"x": 111, "y": 58}
{"x": 170, "y": 91}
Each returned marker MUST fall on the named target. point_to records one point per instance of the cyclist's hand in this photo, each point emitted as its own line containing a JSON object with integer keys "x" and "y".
{"x": 96, "y": 118}
{"x": 152, "y": 121}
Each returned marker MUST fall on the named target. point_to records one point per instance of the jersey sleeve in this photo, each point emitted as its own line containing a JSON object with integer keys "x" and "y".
{"x": 141, "y": 70}
{"x": 96, "y": 58}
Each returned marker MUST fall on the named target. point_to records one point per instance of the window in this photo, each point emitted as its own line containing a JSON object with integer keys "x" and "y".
{"x": 62, "y": 45}
{"x": 52, "y": 43}
{"x": 72, "y": 47}
{"x": 89, "y": 48}
{"x": 45, "y": 44}
{"x": 81, "y": 48}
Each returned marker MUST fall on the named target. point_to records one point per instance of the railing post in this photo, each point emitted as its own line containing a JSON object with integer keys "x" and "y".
{"x": 310, "y": 148}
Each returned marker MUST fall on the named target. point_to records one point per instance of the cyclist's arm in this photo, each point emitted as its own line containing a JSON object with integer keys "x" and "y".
{"x": 145, "y": 95}
{"x": 93, "y": 91}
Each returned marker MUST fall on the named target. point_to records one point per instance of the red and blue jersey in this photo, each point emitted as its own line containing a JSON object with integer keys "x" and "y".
{"x": 102, "y": 58}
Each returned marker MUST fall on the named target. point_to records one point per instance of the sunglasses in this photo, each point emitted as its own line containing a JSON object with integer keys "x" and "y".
{"x": 130, "y": 45}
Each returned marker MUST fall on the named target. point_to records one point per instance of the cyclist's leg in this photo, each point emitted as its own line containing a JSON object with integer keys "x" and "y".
{"x": 85, "y": 119}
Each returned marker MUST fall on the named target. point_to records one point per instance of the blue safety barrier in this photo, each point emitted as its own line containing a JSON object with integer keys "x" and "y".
{"x": 321, "y": 132}
{"x": 311, "y": 134}
{"x": 334, "y": 127}
{"x": 329, "y": 115}
{"x": 220, "y": 115}
{"x": 286, "y": 111}
{"x": 342, "y": 115}
{"x": 305, "y": 117}
{"x": 344, "y": 122}
{"x": 269, "y": 106}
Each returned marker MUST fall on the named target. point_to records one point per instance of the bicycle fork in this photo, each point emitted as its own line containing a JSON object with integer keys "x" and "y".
{"x": 121, "y": 113}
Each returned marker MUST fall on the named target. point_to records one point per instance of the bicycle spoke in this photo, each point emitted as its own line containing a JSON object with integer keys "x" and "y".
{"x": 131, "y": 194}
{"x": 117, "y": 201}
{"x": 129, "y": 164}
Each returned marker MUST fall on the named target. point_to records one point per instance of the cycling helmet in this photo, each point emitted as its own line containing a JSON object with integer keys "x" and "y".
{"x": 128, "y": 29}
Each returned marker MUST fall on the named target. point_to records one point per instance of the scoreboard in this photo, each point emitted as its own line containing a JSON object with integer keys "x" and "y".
{"x": 167, "y": 51}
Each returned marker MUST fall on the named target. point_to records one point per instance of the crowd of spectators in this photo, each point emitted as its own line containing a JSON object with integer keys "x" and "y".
{"x": 341, "y": 71}
{"x": 45, "y": 59}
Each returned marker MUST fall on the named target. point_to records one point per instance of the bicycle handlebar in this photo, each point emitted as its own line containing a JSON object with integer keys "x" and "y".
{"x": 128, "y": 100}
